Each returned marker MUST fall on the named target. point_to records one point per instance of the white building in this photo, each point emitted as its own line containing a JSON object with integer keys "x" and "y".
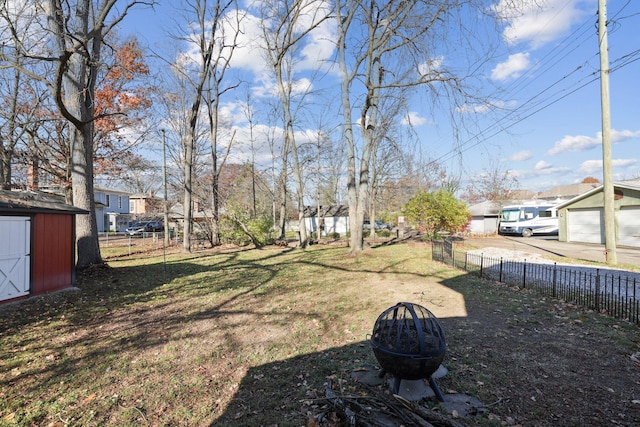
{"x": 112, "y": 209}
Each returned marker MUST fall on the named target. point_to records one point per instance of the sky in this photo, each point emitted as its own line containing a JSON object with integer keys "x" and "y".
{"x": 544, "y": 122}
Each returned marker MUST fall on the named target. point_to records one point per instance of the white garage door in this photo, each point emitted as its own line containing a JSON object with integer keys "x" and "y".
{"x": 629, "y": 226}
{"x": 15, "y": 243}
{"x": 586, "y": 225}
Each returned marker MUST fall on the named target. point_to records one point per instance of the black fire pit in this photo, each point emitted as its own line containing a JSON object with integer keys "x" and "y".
{"x": 409, "y": 343}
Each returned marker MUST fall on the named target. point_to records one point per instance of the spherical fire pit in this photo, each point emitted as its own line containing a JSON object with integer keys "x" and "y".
{"x": 409, "y": 343}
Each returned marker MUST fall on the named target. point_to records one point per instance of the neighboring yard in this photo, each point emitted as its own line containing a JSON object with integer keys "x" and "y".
{"x": 248, "y": 338}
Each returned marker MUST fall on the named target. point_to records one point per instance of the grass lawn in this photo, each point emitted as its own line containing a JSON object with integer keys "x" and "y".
{"x": 243, "y": 337}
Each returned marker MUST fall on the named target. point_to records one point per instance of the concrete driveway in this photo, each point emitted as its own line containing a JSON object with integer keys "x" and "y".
{"x": 549, "y": 245}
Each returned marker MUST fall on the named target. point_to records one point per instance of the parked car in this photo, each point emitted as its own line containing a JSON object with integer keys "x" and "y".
{"x": 382, "y": 226}
{"x": 379, "y": 225}
{"x": 138, "y": 228}
{"x": 156, "y": 225}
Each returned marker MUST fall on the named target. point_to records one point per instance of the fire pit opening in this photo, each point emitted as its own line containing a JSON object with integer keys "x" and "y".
{"x": 409, "y": 343}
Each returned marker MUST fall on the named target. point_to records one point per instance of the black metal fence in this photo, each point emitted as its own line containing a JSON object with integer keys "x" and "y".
{"x": 611, "y": 291}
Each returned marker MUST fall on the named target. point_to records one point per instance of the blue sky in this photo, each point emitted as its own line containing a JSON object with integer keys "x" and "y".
{"x": 545, "y": 78}
{"x": 555, "y": 63}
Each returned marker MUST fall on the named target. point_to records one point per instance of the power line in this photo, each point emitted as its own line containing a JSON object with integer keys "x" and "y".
{"x": 545, "y": 103}
{"x": 532, "y": 107}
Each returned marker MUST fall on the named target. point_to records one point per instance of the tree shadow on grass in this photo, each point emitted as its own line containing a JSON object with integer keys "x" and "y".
{"x": 505, "y": 346}
{"x": 531, "y": 360}
{"x": 291, "y": 392}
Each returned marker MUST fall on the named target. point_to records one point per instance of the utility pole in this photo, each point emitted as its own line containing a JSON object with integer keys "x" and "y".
{"x": 167, "y": 237}
{"x": 609, "y": 207}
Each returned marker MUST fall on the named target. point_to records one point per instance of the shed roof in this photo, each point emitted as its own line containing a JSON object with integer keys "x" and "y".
{"x": 628, "y": 185}
{"x": 32, "y": 201}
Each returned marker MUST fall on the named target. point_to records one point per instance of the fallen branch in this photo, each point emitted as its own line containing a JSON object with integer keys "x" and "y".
{"x": 378, "y": 409}
{"x": 432, "y": 417}
{"x": 338, "y": 403}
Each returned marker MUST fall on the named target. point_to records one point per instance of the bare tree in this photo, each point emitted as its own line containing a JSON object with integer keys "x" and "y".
{"x": 226, "y": 41}
{"x": 22, "y": 96}
{"x": 494, "y": 184}
{"x": 78, "y": 30}
{"x": 372, "y": 36}
{"x": 204, "y": 73}
{"x": 181, "y": 137}
{"x": 283, "y": 32}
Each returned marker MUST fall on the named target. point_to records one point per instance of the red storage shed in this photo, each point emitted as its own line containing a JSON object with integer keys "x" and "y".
{"x": 37, "y": 244}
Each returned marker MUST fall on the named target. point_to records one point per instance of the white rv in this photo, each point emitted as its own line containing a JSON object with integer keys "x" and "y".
{"x": 528, "y": 219}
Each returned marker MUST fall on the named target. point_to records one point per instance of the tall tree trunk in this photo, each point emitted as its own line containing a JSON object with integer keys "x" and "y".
{"x": 356, "y": 215}
{"x": 213, "y": 106}
{"x": 5, "y": 167}
{"x": 83, "y": 196}
{"x": 187, "y": 168}
{"x": 283, "y": 191}
{"x": 75, "y": 100}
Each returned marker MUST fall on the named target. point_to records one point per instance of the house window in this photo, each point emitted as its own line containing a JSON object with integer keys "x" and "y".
{"x": 107, "y": 200}
{"x": 132, "y": 206}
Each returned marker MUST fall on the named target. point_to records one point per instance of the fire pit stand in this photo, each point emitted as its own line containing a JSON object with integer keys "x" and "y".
{"x": 409, "y": 343}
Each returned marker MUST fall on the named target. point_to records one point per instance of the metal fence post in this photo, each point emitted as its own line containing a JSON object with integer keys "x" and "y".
{"x": 555, "y": 276}
{"x": 500, "y": 278}
{"x": 481, "y": 263}
{"x": 524, "y": 274}
{"x": 597, "y": 302}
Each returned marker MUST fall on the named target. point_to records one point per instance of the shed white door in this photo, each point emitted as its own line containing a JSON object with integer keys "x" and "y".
{"x": 15, "y": 245}
{"x": 629, "y": 226}
{"x": 586, "y": 225}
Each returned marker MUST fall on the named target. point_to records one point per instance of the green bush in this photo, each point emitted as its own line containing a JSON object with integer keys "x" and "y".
{"x": 334, "y": 235}
{"x": 231, "y": 233}
{"x": 436, "y": 212}
{"x": 261, "y": 229}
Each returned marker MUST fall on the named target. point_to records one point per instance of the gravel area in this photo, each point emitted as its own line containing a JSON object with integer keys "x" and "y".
{"x": 614, "y": 281}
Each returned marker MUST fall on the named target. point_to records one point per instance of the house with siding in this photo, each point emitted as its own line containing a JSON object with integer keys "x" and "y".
{"x": 145, "y": 204}
{"x": 112, "y": 209}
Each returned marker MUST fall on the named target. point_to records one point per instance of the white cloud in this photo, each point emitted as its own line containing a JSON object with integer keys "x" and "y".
{"x": 574, "y": 143}
{"x": 253, "y": 144}
{"x": 27, "y": 20}
{"x": 541, "y": 169}
{"x": 314, "y": 52}
{"x": 591, "y": 166}
{"x": 486, "y": 107}
{"x": 249, "y": 54}
{"x": 621, "y": 135}
{"x": 583, "y": 142}
{"x": 430, "y": 69}
{"x": 320, "y": 46}
{"x": 543, "y": 166}
{"x": 539, "y": 22}
{"x": 512, "y": 68}
{"x": 521, "y": 156}
{"x": 413, "y": 119}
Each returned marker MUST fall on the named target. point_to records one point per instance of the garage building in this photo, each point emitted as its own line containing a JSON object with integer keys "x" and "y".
{"x": 581, "y": 219}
